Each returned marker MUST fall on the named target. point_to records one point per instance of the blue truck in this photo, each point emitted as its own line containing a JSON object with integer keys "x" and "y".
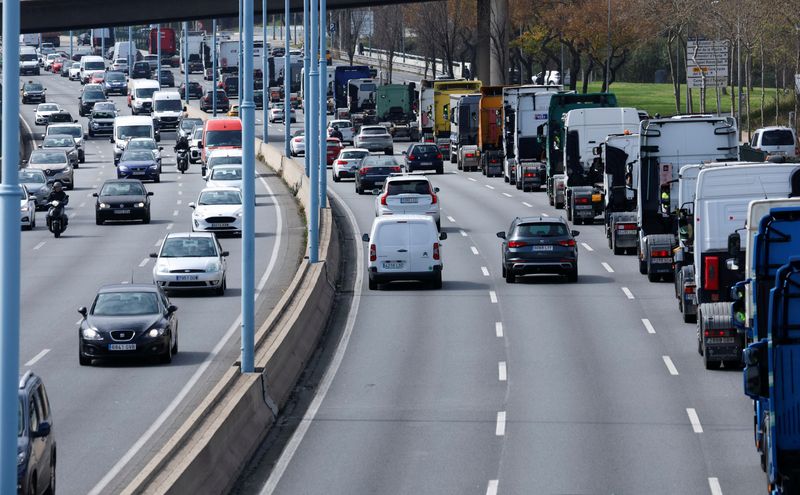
{"x": 343, "y": 74}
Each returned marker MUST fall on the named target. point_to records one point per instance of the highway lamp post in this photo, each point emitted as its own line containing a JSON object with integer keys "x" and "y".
{"x": 314, "y": 137}
{"x": 739, "y": 76}
{"x": 103, "y": 32}
{"x": 248, "y": 116}
{"x": 323, "y": 104}
{"x": 287, "y": 83}
{"x": 306, "y": 69}
{"x": 10, "y": 254}
{"x": 214, "y": 68}
{"x": 241, "y": 47}
{"x": 158, "y": 50}
{"x": 608, "y": 49}
{"x": 130, "y": 54}
{"x": 264, "y": 74}
{"x": 185, "y": 52}
{"x": 70, "y": 45}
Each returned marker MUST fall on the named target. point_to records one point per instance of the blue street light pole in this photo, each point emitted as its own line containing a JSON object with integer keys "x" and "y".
{"x": 9, "y": 251}
{"x": 185, "y": 52}
{"x": 323, "y": 104}
{"x": 248, "y": 112}
{"x": 130, "y": 54}
{"x": 313, "y": 140}
{"x": 241, "y": 46}
{"x": 287, "y": 84}
{"x": 158, "y": 50}
{"x": 306, "y": 86}
{"x": 214, "y": 68}
{"x": 70, "y": 45}
{"x": 264, "y": 74}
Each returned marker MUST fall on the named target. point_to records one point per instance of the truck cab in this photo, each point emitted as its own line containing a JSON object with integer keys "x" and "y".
{"x": 524, "y": 120}
{"x": 464, "y": 131}
{"x": 620, "y": 156}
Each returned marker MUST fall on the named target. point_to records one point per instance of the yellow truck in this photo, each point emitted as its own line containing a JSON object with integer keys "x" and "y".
{"x": 434, "y": 109}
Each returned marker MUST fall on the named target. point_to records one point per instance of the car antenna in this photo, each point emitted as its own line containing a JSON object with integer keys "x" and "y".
{"x": 131, "y": 276}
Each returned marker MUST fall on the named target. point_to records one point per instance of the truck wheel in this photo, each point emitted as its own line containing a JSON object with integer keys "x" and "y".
{"x": 617, "y": 250}
{"x": 550, "y": 200}
{"x": 642, "y": 267}
{"x": 710, "y": 365}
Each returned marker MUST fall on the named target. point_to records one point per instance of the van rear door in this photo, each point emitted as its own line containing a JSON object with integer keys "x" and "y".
{"x": 392, "y": 247}
{"x": 422, "y": 237}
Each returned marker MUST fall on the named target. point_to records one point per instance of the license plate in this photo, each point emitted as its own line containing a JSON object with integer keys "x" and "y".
{"x": 546, "y": 247}
{"x": 138, "y": 172}
{"x": 720, "y": 340}
{"x": 181, "y": 278}
{"x": 408, "y": 200}
{"x": 392, "y": 265}
{"x": 426, "y": 164}
{"x": 217, "y": 225}
{"x": 583, "y": 207}
{"x": 122, "y": 212}
{"x": 661, "y": 260}
{"x": 121, "y": 347}
{"x": 627, "y": 232}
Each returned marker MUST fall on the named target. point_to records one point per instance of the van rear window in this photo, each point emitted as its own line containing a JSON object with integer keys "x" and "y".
{"x": 782, "y": 137}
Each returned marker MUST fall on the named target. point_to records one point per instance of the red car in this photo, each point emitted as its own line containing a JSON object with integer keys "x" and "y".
{"x": 334, "y": 147}
{"x": 55, "y": 68}
{"x": 97, "y": 78}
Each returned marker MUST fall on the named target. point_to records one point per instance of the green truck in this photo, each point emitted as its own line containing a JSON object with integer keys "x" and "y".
{"x": 394, "y": 108}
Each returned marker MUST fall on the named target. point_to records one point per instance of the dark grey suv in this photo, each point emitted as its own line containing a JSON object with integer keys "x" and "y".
{"x": 36, "y": 442}
{"x": 539, "y": 245}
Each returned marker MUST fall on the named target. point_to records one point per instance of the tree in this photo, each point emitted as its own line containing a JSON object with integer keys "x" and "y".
{"x": 353, "y": 21}
{"x": 389, "y": 36}
{"x": 443, "y": 27}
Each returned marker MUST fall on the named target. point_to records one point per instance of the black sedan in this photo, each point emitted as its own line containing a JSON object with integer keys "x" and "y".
{"x": 167, "y": 78}
{"x": 374, "y": 170}
{"x": 127, "y": 320}
{"x": 122, "y": 199}
{"x": 195, "y": 90}
{"x": 420, "y": 156}
{"x": 539, "y": 245}
{"x": 141, "y": 70}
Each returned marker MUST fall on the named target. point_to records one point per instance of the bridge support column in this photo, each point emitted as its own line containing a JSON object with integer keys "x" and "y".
{"x": 481, "y": 71}
{"x": 499, "y": 26}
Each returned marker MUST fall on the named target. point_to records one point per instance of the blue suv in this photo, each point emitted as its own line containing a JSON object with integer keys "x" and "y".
{"x": 36, "y": 443}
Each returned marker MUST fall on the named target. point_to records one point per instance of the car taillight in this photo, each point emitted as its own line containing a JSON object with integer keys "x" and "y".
{"x": 341, "y": 162}
{"x": 582, "y": 201}
{"x": 397, "y": 169}
{"x": 493, "y": 160}
{"x": 517, "y": 244}
{"x": 438, "y": 156}
{"x": 436, "y": 250}
{"x": 560, "y": 186}
{"x": 362, "y": 171}
{"x": 383, "y": 199}
{"x": 412, "y": 157}
{"x": 689, "y": 289}
{"x": 434, "y": 199}
{"x": 724, "y": 332}
{"x": 469, "y": 155}
{"x": 373, "y": 253}
{"x": 528, "y": 174}
{"x": 567, "y": 243}
{"x": 659, "y": 253}
{"x": 626, "y": 226}
{"x": 711, "y": 273}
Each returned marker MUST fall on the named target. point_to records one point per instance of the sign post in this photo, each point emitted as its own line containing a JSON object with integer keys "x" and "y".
{"x": 707, "y": 65}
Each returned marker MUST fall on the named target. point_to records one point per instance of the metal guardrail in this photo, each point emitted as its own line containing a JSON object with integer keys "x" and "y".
{"x": 409, "y": 62}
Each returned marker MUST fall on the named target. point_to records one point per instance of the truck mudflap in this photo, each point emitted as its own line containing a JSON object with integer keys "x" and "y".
{"x": 658, "y": 256}
{"x": 718, "y": 339}
{"x": 510, "y": 170}
{"x": 492, "y": 163}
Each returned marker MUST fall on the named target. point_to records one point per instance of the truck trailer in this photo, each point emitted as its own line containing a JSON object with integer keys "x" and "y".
{"x": 490, "y": 131}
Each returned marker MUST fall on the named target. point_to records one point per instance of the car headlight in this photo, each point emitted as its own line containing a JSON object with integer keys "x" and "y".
{"x": 140, "y": 205}
{"x": 123, "y": 168}
{"x": 103, "y": 205}
{"x": 23, "y": 209}
{"x": 155, "y": 332}
{"x": 213, "y": 266}
{"x": 162, "y": 268}
{"x": 21, "y": 458}
{"x": 94, "y": 125}
{"x": 154, "y": 166}
{"x": 90, "y": 333}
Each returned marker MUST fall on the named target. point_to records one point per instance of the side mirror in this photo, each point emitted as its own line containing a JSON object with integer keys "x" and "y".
{"x": 82, "y": 311}
{"x": 501, "y": 235}
{"x": 365, "y": 237}
{"x": 43, "y": 431}
{"x": 95, "y": 195}
{"x": 200, "y": 145}
{"x": 756, "y": 370}
{"x": 224, "y": 254}
{"x": 734, "y": 244}
{"x": 192, "y": 205}
{"x": 40, "y": 146}
{"x": 149, "y": 193}
{"x": 160, "y": 148}
{"x": 436, "y": 189}
{"x": 79, "y": 97}
{"x": 442, "y": 236}
{"x": 184, "y": 108}
{"x": 74, "y": 121}
{"x": 85, "y": 136}
{"x": 172, "y": 308}
{"x": 158, "y": 137}
{"x": 575, "y": 233}
{"x": 405, "y": 152}
{"x": 154, "y": 255}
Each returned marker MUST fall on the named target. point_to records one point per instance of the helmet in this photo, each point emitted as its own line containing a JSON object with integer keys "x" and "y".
{"x": 56, "y": 185}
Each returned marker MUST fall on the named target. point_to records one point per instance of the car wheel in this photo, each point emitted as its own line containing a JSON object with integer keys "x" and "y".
{"x": 98, "y": 220}
{"x": 175, "y": 344}
{"x": 146, "y": 218}
{"x": 359, "y": 190}
{"x": 373, "y": 285}
{"x": 438, "y": 225}
{"x": 82, "y": 158}
{"x": 221, "y": 289}
{"x": 157, "y": 179}
{"x": 336, "y": 178}
{"x": 166, "y": 358}
{"x": 437, "y": 281}
{"x": 83, "y": 360}
{"x": 51, "y": 487}
{"x": 510, "y": 277}
{"x": 572, "y": 276}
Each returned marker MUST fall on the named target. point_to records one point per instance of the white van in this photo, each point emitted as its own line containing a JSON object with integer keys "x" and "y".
{"x": 128, "y": 127}
{"x": 141, "y": 95}
{"x": 167, "y": 109}
{"x": 28, "y": 61}
{"x": 775, "y": 141}
{"x": 404, "y": 247}
{"x": 90, "y": 64}
{"x": 122, "y": 49}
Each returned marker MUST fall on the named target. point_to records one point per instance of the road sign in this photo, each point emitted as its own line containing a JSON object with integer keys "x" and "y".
{"x": 333, "y": 27}
{"x": 706, "y": 63}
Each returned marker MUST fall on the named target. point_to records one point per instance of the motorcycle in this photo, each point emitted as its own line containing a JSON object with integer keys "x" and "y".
{"x": 56, "y": 220}
{"x": 182, "y": 159}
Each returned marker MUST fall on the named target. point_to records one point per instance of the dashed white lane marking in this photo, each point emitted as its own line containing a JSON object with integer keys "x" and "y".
{"x": 38, "y": 357}
{"x": 470, "y": 178}
{"x": 493, "y": 296}
{"x": 587, "y": 247}
{"x": 713, "y": 484}
{"x": 491, "y": 488}
{"x": 180, "y": 202}
{"x": 89, "y": 195}
{"x": 175, "y": 213}
{"x": 463, "y": 234}
{"x": 507, "y": 195}
{"x": 82, "y": 204}
{"x": 474, "y": 250}
{"x": 180, "y": 193}
{"x": 648, "y": 326}
{"x": 143, "y": 262}
{"x": 498, "y": 329}
{"x": 488, "y": 186}
{"x": 158, "y": 243}
{"x": 38, "y": 246}
{"x": 181, "y": 184}
{"x": 451, "y": 219}
{"x": 628, "y": 293}
{"x": 485, "y": 271}
{"x": 607, "y": 267}
{"x": 502, "y": 371}
{"x": 169, "y": 226}
{"x": 545, "y": 214}
{"x": 670, "y": 365}
{"x": 125, "y": 282}
{"x": 500, "y": 428}
{"x": 696, "y": 426}
{"x": 527, "y": 204}
{"x": 79, "y": 321}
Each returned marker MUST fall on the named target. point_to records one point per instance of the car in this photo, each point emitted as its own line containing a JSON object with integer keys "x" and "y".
{"x": 138, "y": 164}
{"x": 195, "y": 90}
{"x": 223, "y": 157}
{"x": 35, "y": 182}
{"x": 62, "y": 142}
{"x": 152, "y": 60}
{"x": 234, "y": 111}
{"x": 75, "y": 71}
{"x": 28, "y": 61}
{"x": 120, "y": 65}
{"x": 27, "y": 209}
{"x": 297, "y": 145}
{"x": 187, "y": 124}
{"x": 128, "y": 320}
{"x": 91, "y": 94}
{"x": 225, "y": 176}
{"x": 191, "y": 261}
{"x": 122, "y": 199}
{"x": 101, "y": 122}
{"x": 408, "y": 195}
{"x": 373, "y": 171}
{"x": 775, "y": 140}
{"x": 194, "y": 145}
{"x": 223, "y": 103}
{"x": 404, "y": 247}
{"x": 97, "y": 77}
{"x": 345, "y": 127}
{"x": 374, "y": 138}
{"x": 75, "y": 130}
{"x": 209, "y": 74}
{"x": 33, "y": 92}
{"x": 107, "y": 106}
{"x": 47, "y": 61}
{"x": 230, "y": 84}
{"x": 276, "y": 113}
{"x": 423, "y": 156}
{"x": 332, "y": 148}
{"x": 218, "y": 209}
{"x": 258, "y": 99}
{"x": 539, "y": 245}
{"x": 146, "y": 144}
{"x": 346, "y": 164}
{"x": 60, "y": 117}
{"x": 57, "y": 64}
{"x": 167, "y": 79}
{"x": 44, "y": 110}
{"x": 115, "y": 82}
{"x": 36, "y": 440}
{"x": 54, "y": 164}
{"x": 141, "y": 70}
{"x": 66, "y": 65}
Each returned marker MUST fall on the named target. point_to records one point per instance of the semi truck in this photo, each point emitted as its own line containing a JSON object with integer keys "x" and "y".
{"x": 394, "y": 104}
{"x": 585, "y": 129}
{"x": 228, "y": 56}
{"x": 464, "y": 131}
{"x": 490, "y": 131}
{"x": 169, "y": 46}
{"x": 102, "y": 37}
{"x": 620, "y": 160}
{"x": 342, "y": 75}
{"x": 192, "y": 55}
{"x": 524, "y": 119}
{"x": 53, "y": 37}
{"x": 439, "y": 114}
{"x": 666, "y": 145}
{"x": 361, "y": 96}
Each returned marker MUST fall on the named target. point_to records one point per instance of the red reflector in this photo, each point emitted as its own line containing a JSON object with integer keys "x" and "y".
{"x": 434, "y": 199}
{"x": 516, "y": 244}
{"x": 659, "y": 253}
{"x": 373, "y": 254}
{"x": 582, "y": 201}
{"x": 412, "y": 157}
{"x": 528, "y": 174}
{"x": 439, "y": 156}
{"x": 711, "y": 273}
{"x": 689, "y": 289}
{"x": 469, "y": 155}
{"x": 436, "y": 250}
{"x": 567, "y": 243}
{"x": 493, "y": 161}
{"x": 626, "y": 226}
{"x": 705, "y": 333}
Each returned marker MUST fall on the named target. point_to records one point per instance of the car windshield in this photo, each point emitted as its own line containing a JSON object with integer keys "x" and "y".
{"x": 145, "y": 92}
{"x": 125, "y": 304}
{"x": 59, "y": 116}
{"x": 198, "y": 133}
{"x": 187, "y": 124}
{"x": 93, "y": 95}
{"x": 408, "y": 187}
{"x": 224, "y": 173}
{"x": 103, "y": 115}
{"x": 76, "y": 65}
{"x": 75, "y": 131}
{"x": 782, "y": 137}
{"x": 94, "y": 66}
{"x": 379, "y": 161}
{"x": 354, "y": 155}
{"x": 52, "y": 158}
{"x": 58, "y": 142}
{"x": 27, "y": 57}
{"x": 47, "y": 107}
{"x": 334, "y": 143}
{"x": 224, "y": 138}
{"x": 424, "y": 148}
{"x": 168, "y": 105}
{"x": 115, "y": 76}
{"x": 122, "y": 189}
{"x": 32, "y": 177}
{"x": 373, "y": 131}
{"x": 134, "y": 131}
{"x": 224, "y": 160}
{"x": 33, "y": 87}
{"x": 137, "y": 156}
{"x": 188, "y": 247}
{"x": 219, "y": 198}
{"x": 541, "y": 230}
{"x": 142, "y": 144}
{"x": 342, "y": 124}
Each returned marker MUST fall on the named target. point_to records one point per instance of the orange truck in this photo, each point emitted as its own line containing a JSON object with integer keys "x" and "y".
{"x": 490, "y": 131}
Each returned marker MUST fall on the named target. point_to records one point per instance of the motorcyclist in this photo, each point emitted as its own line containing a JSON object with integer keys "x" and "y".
{"x": 336, "y": 133}
{"x": 182, "y": 144}
{"x": 58, "y": 194}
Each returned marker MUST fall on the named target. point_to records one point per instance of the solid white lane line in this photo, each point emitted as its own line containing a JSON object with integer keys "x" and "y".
{"x": 696, "y": 426}
{"x": 607, "y": 267}
{"x": 491, "y": 488}
{"x": 470, "y": 178}
{"x": 628, "y": 293}
{"x": 527, "y": 204}
{"x": 493, "y": 296}
{"x": 451, "y": 219}
{"x": 463, "y": 234}
{"x": 587, "y": 247}
{"x": 713, "y": 484}
{"x": 502, "y": 371}
{"x": 485, "y": 271}
{"x": 39, "y": 356}
{"x": 670, "y": 365}
{"x": 474, "y": 250}
{"x": 175, "y": 213}
{"x": 500, "y": 428}
{"x": 498, "y": 329}
{"x": 488, "y": 186}
{"x": 507, "y": 195}
{"x": 170, "y": 225}
{"x": 648, "y": 326}
{"x": 143, "y": 262}
{"x": 38, "y": 246}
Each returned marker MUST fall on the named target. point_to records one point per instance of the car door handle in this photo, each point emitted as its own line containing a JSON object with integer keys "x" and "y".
{"x": 402, "y": 250}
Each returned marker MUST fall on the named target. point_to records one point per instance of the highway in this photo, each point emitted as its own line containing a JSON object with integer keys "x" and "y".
{"x": 110, "y": 417}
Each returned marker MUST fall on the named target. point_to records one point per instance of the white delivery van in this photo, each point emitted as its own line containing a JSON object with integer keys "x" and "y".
{"x": 90, "y": 64}
{"x": 128, "y": 127}
{"x": 141, "y": 93}
{"x": 167, "y": 109}
{"x": 123, "y": 49}
{"x": 775, "y": 141}
{"x": 404, "y": 247}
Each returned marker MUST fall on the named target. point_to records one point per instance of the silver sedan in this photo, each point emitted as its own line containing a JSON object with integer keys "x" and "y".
{"x": 190, "y": 261}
